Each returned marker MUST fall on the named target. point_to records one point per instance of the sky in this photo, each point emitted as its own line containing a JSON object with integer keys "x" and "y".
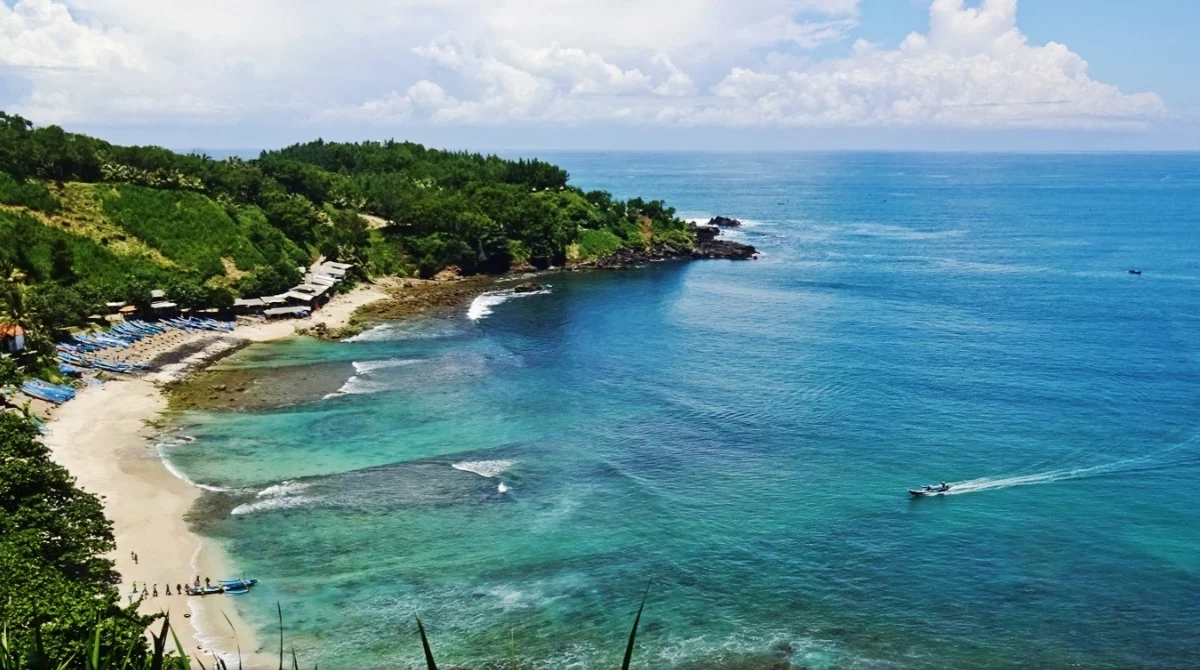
{"x": 942, "y": 75}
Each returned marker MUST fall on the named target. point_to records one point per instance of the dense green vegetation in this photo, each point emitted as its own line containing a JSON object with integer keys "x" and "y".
{"x": 237, "y": 227}
{"x": 53, "y": 537}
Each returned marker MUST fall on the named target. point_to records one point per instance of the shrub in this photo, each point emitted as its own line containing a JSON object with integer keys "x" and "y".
{"x": 33, "y": 195}
{"x": 594, "y": 243}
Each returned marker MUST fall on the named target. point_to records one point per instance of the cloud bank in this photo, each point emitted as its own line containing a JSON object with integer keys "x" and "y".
{"x": 720, "y": 63}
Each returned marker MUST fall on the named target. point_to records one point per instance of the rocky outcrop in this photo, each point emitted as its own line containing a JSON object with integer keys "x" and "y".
{"x": 706, "y": 234}
{"x": 724, "y": 222}
{"x": 528, "y": 287}
{"x": 719, "y": 249}
{"x": 734, "y": 251}
{"x": 707, "y": 246}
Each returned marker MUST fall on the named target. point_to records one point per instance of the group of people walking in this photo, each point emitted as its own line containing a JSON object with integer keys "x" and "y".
{"x": 151, "y": 590}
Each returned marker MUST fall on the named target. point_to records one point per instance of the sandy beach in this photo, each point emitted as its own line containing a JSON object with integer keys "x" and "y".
{"x": 104, "y": 438}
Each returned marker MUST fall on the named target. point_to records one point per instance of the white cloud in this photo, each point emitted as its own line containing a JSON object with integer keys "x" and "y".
{"x": 41, "y": 34}
{"x": 711, "y": 62}
{"x": 973, "y": 68}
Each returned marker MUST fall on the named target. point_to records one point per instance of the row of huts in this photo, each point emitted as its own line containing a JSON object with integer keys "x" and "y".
{"x": 301, "y": 300}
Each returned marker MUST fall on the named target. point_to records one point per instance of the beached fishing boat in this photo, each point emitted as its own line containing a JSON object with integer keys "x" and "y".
{"x": 237, "y": 587}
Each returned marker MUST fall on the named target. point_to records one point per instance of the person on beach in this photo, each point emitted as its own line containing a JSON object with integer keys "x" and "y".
{"x": 168, "y": 589}
{"x": 155, "y": 593}
{"x": 178, "y": 589}
{"x": 206, "y": 582}
{"x": 135, "y": 586}
{"x": 197, "y": 581}
{"x": 145, "y": 593}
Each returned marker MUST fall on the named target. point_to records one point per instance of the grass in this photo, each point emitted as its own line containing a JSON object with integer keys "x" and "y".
{"x": 25, "y": 235}
{"x": 186, "y": 227}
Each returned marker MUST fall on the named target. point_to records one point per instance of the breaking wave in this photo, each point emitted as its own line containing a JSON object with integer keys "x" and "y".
{"x": 161, "y": 449}
{"x": 484, "y": 468}
{"x": 279, "y": 496}
{"x": 482, "y": 305}
{"x": 361, "y": 383}
{"x": 424, "y": 329}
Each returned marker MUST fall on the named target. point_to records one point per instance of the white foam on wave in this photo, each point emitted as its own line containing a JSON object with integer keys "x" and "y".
{"x": 377, "y": 334}
{"x": 406, "y": 330}
{"x": 484, "y": 468}
{"x": 278, "y": 496}
{"x": 269, "y": 504}
{"x": 361, "y": 384}
{"x": 161, "y": 449}
{"x": 482, "y": 305}
{"x": 284, "y": 488}
{"x": 367, "y": 367}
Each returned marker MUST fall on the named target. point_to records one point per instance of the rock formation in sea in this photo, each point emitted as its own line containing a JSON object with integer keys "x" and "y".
{"x": 724, "y": 222}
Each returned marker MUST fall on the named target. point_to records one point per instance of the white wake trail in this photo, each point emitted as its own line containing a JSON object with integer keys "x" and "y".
{"x": 1137, "y": 464}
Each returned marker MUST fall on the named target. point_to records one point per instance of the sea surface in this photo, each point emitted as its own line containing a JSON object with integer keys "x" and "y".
{"x": 740, "y": 436}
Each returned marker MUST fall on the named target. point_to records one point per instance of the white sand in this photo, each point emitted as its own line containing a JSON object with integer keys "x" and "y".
{"x": 102, "y": 437}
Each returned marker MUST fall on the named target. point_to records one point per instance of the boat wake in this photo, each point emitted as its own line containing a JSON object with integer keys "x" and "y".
{"x": 1159, "y": 460}
{"x": 482, "y": 305}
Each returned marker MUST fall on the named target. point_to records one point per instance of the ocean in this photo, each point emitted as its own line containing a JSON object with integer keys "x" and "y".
{"x": 740, "y": 436}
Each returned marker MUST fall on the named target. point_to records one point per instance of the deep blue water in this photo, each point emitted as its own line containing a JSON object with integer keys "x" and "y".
{"x": 743, "y": 434}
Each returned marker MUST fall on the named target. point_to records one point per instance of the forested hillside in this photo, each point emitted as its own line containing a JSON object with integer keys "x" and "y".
{"x": 103, "y": 222}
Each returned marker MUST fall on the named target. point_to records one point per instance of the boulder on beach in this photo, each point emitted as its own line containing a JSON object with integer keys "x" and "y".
{"x": 448, "y": 273}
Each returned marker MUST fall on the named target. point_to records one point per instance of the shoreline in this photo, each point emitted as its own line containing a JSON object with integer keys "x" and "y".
{"x": 105, "y": 437}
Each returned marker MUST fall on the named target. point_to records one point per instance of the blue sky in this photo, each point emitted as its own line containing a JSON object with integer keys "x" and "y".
{"x": 612, "y": 74}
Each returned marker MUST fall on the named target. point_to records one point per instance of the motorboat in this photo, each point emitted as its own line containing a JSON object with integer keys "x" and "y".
{"x": 931, "y": 490}
{"x": 1135, "y": 272}
{"x": 204, "y": 590}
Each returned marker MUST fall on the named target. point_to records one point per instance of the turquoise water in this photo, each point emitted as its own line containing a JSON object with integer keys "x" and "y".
{"x": 742, "y": 434}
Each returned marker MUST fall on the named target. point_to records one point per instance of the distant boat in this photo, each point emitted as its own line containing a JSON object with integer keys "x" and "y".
{"x": 1136, "y": 272}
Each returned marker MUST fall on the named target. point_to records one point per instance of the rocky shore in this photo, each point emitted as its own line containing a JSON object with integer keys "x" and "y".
{"x": 707, "y": 247}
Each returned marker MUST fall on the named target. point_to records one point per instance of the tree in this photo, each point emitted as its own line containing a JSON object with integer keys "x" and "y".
{"x": 62, "y": 261}
{"x": 53, "y": 538}
{"x": 187, "y": 292}
{"x": 10, "y": 372}
{"x": 268, "y": 280}
{"x": 346, "y": 239}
